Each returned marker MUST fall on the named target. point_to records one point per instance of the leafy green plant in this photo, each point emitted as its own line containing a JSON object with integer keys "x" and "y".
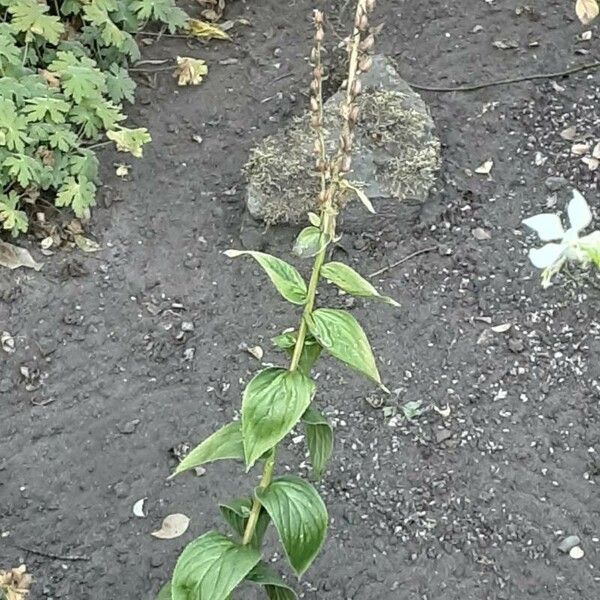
{"x": 63, "y": 77}
{"x": 278, "y": 399}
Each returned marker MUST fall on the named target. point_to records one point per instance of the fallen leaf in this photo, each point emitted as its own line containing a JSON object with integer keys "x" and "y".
{"x": 172, "y": 527}
{"x": 586, "y": 36}
{"x": 481, "y": 234}
{"x": 7, "y": 342}
{"x": 505, "y": 44}
{"x": 51, "y": 79}
{"x": 255, "y": 351}
{"x": 215, "y": 10}
{"x": 586, "y": 10}
{"x": 443, "y": 412}
{"x": 580, "y": 149}
{"x": 591, "y": 162}
{"x": 15, "y": 584}
{"x": 122, "y": 170}
{"x": 190, "y": 71}
{"x": 485, "y": 168}
{"x": 138, "y": 508}
{"x": 596, "y": 151}
{"x": 47, "y": 242}
{"x": 85, "y": 244}
{"x": 569, "y": 133}
{"x": 14, "y": 257}
{"x": 501, "y": 328}
{"x": 205, "y": 30}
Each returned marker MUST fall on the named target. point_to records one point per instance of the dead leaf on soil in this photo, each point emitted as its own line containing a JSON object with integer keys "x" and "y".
{"x": 580, "y": 149}
{"x": 85, "y": 244}
{"x": 122, "y": 170}
{"x": 138, "y": 508}
{"x": 14, "y": 257}
{"x": 202, "y": 29}
{"x": 586, "y": 36}
{"x": 172, "y": 527}
{"x": 569, "y": 133}
{"x": 255, "y": 351}
{"x": 587, "y": 10}
{"x": 481, "y": 234}
{"x": 596, "y": 151}
{"x": 15, "y": 584}
{"x": 505, "y": 44}
{"x": 591, "y": 162}
{"x": 485, "y": 168}
{"x": 501, "y": 328}
{"x": 215, "y": 9}
{"x": 51, "y": 79}
{"x": 7, "y": 342}
{"x": 190, "y": 71}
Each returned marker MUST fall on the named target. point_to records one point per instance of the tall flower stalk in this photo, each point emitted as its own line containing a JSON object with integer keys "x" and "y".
{"x": 278, "y": 399}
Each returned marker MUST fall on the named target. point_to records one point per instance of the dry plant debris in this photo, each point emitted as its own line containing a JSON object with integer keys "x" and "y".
{"x": 15, "y": 584}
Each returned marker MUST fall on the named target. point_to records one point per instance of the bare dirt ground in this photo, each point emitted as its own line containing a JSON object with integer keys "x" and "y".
{"x": 468, "y": 506}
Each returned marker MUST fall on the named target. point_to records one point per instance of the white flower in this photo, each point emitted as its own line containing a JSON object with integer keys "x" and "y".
{"x": 564, "y": 245}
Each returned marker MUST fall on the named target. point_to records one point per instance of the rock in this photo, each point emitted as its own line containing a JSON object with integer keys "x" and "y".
{"x": 396, "y": 153}
{"x": 576, "y": 552}
{"x": 556, "y": 183}
{"x": 569, "y": 543}
{"x": 121, "y": 490}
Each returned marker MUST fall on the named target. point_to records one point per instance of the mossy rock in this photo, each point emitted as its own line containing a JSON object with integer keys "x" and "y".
{"x": 396, "y": 153}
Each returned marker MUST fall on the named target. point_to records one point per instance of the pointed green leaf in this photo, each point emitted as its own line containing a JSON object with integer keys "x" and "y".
{"x": 341, "y": 335}
{"x": 300, "y": 517}
{"x": 275, "y": 587}
{"x": 319, "y": 439}
{"x": 211, "y": 567}
{"x": 236, "y": 514}
{"x": 226, "y": 443}
{"x": 165, "y": 592}
{"x": 310, "y": 352}
{"x": 310, "y": 242}
{"x": 314, "y": 219}
{"x": 273, "y": 403}
{"x": 348, "y": 280}
{"x": 285, "y": 278}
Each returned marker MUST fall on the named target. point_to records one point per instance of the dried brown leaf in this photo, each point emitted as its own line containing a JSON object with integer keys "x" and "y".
{"x": 190, "y": 71}
{"x": 587, "y": 10}
{"x": 203, "y": 29}
{"x": 172, "y": 527}
{"x": 14, "y": 257}
{"x": 485, "y": 168}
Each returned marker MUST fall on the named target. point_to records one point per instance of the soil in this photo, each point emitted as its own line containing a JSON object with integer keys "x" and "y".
{"x": 470, "y": 504}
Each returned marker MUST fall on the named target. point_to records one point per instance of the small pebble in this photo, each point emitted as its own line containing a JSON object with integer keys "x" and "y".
{"x": 569, "y": 543}
{"x": 576, "y": 552}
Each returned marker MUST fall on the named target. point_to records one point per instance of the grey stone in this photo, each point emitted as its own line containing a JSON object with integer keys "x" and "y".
{"x": 396, "y": 153}
{"x": 121, "y": 490}
{"x": 569, "y": 543}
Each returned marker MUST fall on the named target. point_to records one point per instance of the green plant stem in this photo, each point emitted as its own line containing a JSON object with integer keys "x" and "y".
{"x": 327, "y": 226}
{"x": 265, "y": 480}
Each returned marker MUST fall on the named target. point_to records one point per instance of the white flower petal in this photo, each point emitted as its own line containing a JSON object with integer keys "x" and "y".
{"x": 547, "y": 255}
{"x": 547, "y": 226}
{"x": 580, "y": 215}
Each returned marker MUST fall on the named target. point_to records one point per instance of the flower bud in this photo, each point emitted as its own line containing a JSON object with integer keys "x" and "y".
{"x": 353, "y": 114}
{"x": 319, "y": 35}
{"x": 318, "y": 73}
{"x": 318, "y": 17}
{"x": 370, "y": 5}
{"x": 365, "y": 63}
{"x": 367, "y": 43}
{"x": 314, "y": 86}
{"x": 314, "y": 104}
{"x": 363, "y": 23}
{"x": 356, "y": 87}
{"x": 317, "y": 147}
{"x": 346, "y": 163}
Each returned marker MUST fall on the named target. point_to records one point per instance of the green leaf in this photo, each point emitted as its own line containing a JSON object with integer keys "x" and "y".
{"x": 319, "y": 439}
{"x": 84, "y": 164}
{"x": 273, "y": 402}
{"x": 165, "y": 592}
{"x": 285, "y": 278}
{"x": 275, "y": 587}
{"x": 310, "y": 242}
{"x": 310, "y": 352}
{"x": 160, "y": 10}
{"x": 79, "y": 77}
{"x": 119, "y": 85}
{"x": 10, "y": 54}
{"x": 300, "y": 517}
{"x": 11, "y": 217}
{"x": 110, "y": 114}
{"x": 314, "y": 219}
{"x": 226, "y": 443}
{"x": 236, "y": 514}
{"x": 341, "y": 335}
{"x": 23, "y": 168}
{"x": 79, "y": 194}
{"x": 37, "y": 109}
{"x": 348, "y": 280}
{"x": 13, "y": 127}
{"x": 63, "y": 138}
{"x": 29, "y": 17}
{"x": 211, "y": 567}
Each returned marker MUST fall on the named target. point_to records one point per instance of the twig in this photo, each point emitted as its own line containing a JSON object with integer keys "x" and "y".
{"x": 73, "y": 557}
{"x": 403, "y": 260}
{"x": 480, "y": 86}
{"x": 140, "y": 70}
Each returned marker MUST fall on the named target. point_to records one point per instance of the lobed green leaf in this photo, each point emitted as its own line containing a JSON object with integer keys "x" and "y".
{"x": 273, "y": 402}
{"x": 300, "y": 517}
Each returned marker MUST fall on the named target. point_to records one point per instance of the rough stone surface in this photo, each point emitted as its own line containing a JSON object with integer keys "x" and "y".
{"x": 396, "y": 152}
